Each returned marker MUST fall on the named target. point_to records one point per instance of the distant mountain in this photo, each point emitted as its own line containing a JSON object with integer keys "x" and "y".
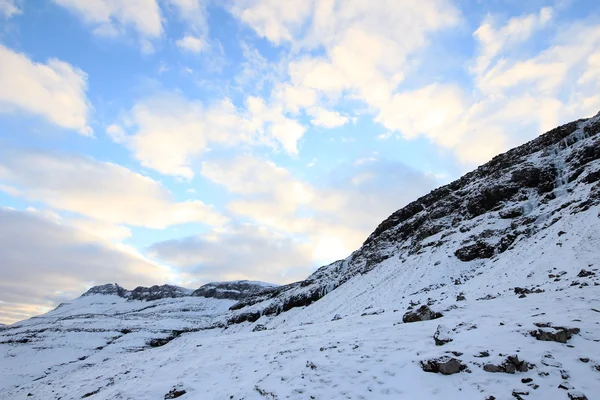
{"x": 486, "y": 288}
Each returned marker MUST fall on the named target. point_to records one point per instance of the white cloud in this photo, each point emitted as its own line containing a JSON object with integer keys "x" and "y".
{"x": 518, "y": 29}
{"x": 274, "y": 20}
{"x": 54, "y": 90}
{"x": 192, "y": 44}
{"x": 326, "y": 118}
{"x": 41, "y": 257}
{"x": 515, "y": 97}
{"x": 112, "y": 17}
{"x": 169, "y": 131}
{"x": 98, "y": 190}
{"x": 333, "y": 219}
{"x": 241, "y": 252}
{"x": 10, "y": 8}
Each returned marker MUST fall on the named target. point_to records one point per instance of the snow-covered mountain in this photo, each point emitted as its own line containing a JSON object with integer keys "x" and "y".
{"x": 486, "y": 288}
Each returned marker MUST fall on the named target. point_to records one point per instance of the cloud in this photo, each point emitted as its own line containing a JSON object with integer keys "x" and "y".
{"x": 326, "y": 118}
{"x": 54, "y": 90}
{"x": 10, "y": 8}
{"x": 272, "y": 19}
{"x": 169, "y": 131}
{"x": 518, "y": 29}
{"x": 515, "y": 98}
{"x": 102, "y": 191}
{"x": 45, "y": 262}
{"x": 191, "y": 43}
{"x": 240, "y": 252}
{"x": 333, "y": 217}
{"x": 114, "y": 17}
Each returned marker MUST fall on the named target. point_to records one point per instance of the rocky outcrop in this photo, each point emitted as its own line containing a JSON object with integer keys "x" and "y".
{"x": 108, "y": 289}
{"x": 511, "y": 365}
{"x": 235, "y": 290}
{"x": 549, "y": 333}
{"x": 444, "y": 365}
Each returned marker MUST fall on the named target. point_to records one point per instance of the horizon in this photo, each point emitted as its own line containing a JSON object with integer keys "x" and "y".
{"x": 189, "y": 142}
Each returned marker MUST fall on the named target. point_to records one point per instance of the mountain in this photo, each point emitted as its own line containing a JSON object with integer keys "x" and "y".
{"x": 486, "y": 288}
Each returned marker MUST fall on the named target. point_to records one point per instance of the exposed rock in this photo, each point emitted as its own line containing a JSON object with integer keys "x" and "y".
{"x": 554, "y": 334}
{"x": 442, "y": 335}
{"x": 444, "y": 365}
{"x": 482, "y": 354}
{"x": 461, "y": 297}
{"x": 235, "y": 290}
{"x": 584, "y": 360}
{"x": 259, "y": 327}
{"x": 175, "y": 393}
{"x": 376, "y": 312}
{"x": 511, "y": 365}
{"x": 423, "y": 313}
{"x": 517, "y": 394}
{"x": 584, "y": 274}
{"x": 336, "y": 317}
{"x": 492, "y": 368}
{"x": 108, "y": 289}
{"x": 475, "y": 251}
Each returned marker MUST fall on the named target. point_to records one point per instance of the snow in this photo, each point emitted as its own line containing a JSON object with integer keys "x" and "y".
{"x": 351, "y": 343}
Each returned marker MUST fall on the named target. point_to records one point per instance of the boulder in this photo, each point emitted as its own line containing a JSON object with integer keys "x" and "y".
{"x": 423, "y": 313}
{"x": 442, "y": 335}
{"x": 174, "y": 393}
{"x": 259, "y": 327}
{"x": 554, "y": 334}
{"x": 443, "y": 365}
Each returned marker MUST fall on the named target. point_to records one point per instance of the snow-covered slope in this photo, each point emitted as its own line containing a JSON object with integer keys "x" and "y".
{"x": 510, "y": 245}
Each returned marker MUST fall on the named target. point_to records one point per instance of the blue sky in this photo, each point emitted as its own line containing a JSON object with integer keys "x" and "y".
{"x": 186, "y": 141}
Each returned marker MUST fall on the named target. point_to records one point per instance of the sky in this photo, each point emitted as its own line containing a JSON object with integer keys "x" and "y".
{"x": 186, "y": 141}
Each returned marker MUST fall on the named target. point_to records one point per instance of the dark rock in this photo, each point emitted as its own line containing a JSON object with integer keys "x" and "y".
{"x": 336, "y": 317}
{"x": 242, "y": 317}
{"x": 511, "y": 365}
{"x": 461, "y": 297}
{"x": 90, "y": 394}
{"x": 174, "y": 393}
{"x": 557, "y": 334}
{"x": 584, "y": 360}
{"x": 518, "y": 394}
{"x": 311, "y": 365}
{"x": 259, "y": 327}
{"x": 443, "y": 365}
{"x": 492, "y": 368}
{"x": 584, "y": 274}
{"x": 475, "y": 251}
{"x": 235, "y": 290}
{"x": 482, "y": 354}
{"x": 526, "y": 380}
{"x": 423, "y": 313}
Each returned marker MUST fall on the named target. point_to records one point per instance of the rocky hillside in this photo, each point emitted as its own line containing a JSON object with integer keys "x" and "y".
{"x": 479, "y": 216}
{"x": 486, "y": 288}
